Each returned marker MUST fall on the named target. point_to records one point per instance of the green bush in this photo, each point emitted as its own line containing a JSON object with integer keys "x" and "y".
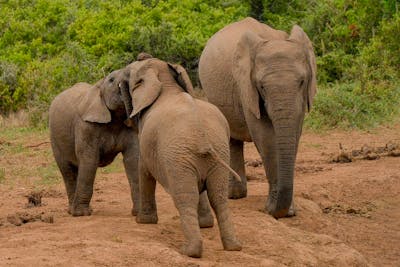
{"x": 48, "y": 45}
{"x": 347, "y": 106}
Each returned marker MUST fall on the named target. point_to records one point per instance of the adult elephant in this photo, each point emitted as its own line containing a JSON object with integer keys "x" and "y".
{"x": 263, "y": 80}
{"x": 87, "y": 131}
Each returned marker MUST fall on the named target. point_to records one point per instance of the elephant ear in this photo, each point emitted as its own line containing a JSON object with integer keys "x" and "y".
{"x": 92, "y": 108}
{"x": 145, "y": 88}
{"x": 181, "y": 77}
{"x": 298, "y": 35}
{"x": 243, "y": 62}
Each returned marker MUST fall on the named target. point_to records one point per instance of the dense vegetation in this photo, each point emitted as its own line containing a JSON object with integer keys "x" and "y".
{"x": 48, "y": 45}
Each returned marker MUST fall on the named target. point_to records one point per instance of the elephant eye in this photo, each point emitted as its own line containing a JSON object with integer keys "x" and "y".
{"x": 301, "y": 83}
{"x": 111, "y": 79}
{"x": 138, "y": 83}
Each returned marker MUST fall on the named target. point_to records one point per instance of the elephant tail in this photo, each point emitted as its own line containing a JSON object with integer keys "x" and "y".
{"x": 211, "y": 151}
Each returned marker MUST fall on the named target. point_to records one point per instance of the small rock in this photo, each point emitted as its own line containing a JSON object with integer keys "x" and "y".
{"x": 352, "y": 211}
{"x": 366, "y": 149}
{"x": 394, "y": 153}
{"x": 34, "y": 199}
{"x": 391, "y": 146}
{"x": 371, "y": 156}
{"x": 47, "y": 218}
{"x": 343, "y": 157}
{"x": 14, "y": 219}
{"x": 254, "y": 163}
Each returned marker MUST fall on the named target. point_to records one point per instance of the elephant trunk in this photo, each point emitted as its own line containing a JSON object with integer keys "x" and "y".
{"x": 126, "y": 98}
{"x": 286, "y": 149}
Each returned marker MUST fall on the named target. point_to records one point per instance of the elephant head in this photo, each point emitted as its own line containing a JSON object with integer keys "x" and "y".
{"x": 277, "y": 79}
{"x": 102, "y": 99}
{"x": 143, "y": 80}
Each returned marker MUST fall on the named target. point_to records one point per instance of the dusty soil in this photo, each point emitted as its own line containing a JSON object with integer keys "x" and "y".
{"x": 348, "y": 214}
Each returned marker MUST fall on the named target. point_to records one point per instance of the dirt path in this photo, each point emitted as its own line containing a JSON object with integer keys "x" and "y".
{"x": 348, "y": 214}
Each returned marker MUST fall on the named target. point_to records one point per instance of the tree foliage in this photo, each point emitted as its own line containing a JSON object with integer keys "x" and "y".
{"x": 48, "y": 45}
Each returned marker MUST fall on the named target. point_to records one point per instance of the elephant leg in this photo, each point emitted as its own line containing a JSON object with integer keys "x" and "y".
{"x": 147, "y": 188}
{"x": 187, "y": 202}
{"x": 131, "y": 168}
{"x": 206, "y": 218}
{"x": 84, "y": 189}
{"x": 217, "y": 194}
{"x": 237, "y": 189}
{"x": 69, "y": 173}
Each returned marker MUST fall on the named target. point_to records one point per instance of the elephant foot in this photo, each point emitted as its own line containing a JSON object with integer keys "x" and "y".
{"x": 193, "y": 249}
{"x": 147, "y": 218}
{"x": 134, "y": 211}
{"x": 280, "y": 213}
{"x": 237, "y": 190}
{"x": 206, "y": 221}
{"x": 232, "y": 244}
{"x": 80, "y": 211}
{"x": 292, "y": 211}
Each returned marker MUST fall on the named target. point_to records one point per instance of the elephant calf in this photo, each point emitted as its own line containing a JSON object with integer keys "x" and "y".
{"x": 184, "y": 144}
{"x": 87, "y": 131}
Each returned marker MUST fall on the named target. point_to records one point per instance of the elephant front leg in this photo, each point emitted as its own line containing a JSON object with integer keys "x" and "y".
{"x": 131, "y": 169}
{"x": 69, "y": 174}
{"x": 237, "y": 189}
{"x": 206, "y": 218}
{"x": 84, "y": 189}
{"x": 147, "y": 187}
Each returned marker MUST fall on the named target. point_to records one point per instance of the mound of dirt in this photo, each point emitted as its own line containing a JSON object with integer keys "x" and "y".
{"x": 21, "y": 218}
{"x": 391, "y": 149}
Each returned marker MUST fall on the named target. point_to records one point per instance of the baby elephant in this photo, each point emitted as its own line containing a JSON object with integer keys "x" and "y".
{"x": 184, "y": 145}
{"x": 87, "y": 131}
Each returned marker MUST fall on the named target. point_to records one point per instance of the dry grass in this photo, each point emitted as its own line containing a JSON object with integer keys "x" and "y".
{"x": 26, "y": 159}
{"x": 17, "y": 119}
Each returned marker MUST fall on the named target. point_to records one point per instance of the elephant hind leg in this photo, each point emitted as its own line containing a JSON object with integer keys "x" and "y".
{"x": 186, "y": 198}
{"x": 147, "y": 188}
{"x": 69, "y": 173}
{"x": 206, "y": 218}
{"x": 217, "y": 188}
{"x": 237, "y": 189}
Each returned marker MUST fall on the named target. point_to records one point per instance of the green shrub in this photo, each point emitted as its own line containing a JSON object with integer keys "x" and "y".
{"x": 347, "y": 106}
{"x": 48, "y": 45}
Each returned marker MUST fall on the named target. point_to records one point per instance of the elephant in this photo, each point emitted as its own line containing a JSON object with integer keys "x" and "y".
{"x": 184, "y": 145}
{"x": 87, "y": 131}
{"x": 263, "y": 80}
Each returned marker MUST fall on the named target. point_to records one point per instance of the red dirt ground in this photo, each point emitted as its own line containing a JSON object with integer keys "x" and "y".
{"x": 348, "y": 214}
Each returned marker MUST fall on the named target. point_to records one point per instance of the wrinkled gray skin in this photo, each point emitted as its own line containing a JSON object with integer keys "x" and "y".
{"x": 182, "y": 142}
{"x": 87, "y": 131}
{"x": 263, "y": 80}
